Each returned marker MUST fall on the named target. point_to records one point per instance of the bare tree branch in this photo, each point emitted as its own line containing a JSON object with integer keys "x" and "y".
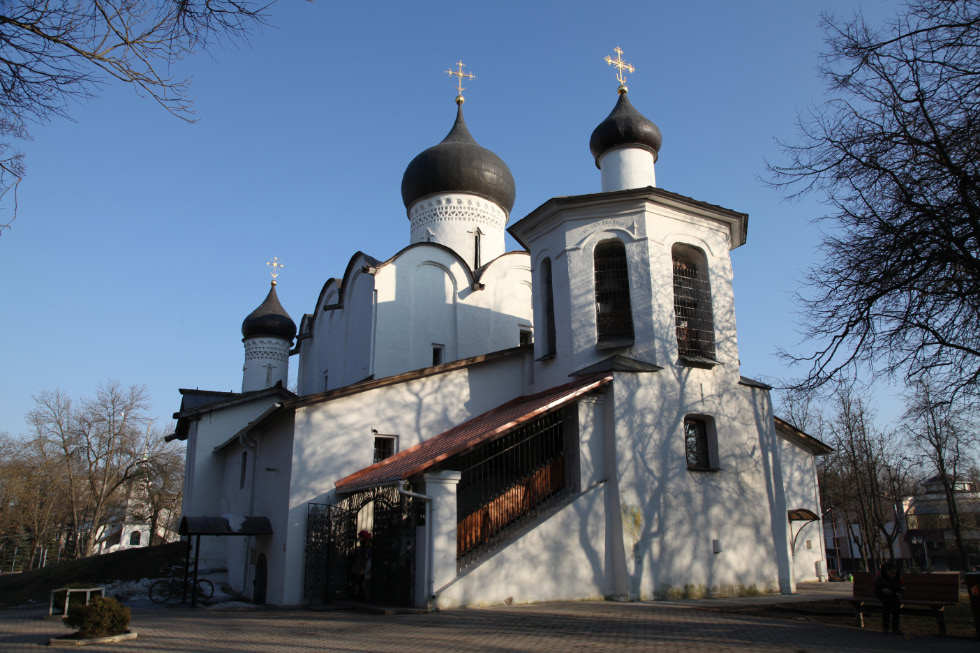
{"x": 895, "y": 154}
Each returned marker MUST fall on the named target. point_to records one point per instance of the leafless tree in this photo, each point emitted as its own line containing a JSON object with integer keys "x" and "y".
{"x": 866, "y": 476}
{"x": 56, "y": 51}
{"x": 941, "y": 431}
{"x": 159, "y": 486}
{"x": 895, "y": 154}
{"x": 100, "y": 445}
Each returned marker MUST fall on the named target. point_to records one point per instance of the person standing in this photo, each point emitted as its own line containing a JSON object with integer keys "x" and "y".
{"x": 889, "y": 589}
{"x": 362, "y": 567}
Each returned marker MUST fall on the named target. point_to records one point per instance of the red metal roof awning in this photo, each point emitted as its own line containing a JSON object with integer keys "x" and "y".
{"x": 468, "y": 435}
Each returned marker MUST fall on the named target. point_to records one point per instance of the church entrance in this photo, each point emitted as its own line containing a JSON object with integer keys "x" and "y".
{"x": 331, "y": 547}
{"x": 261, "y": 580}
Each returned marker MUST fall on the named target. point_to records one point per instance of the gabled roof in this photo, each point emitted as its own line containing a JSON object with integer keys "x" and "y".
{"x": 617, "y": 363}
{"x": 199, "y": 402}
{"x": 796, "y": 436}
{"x": 462, "y": 438}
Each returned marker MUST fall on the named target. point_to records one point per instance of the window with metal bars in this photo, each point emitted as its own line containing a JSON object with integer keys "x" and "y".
{"x": 692, "y": 305}
{"x": 614, "y": 313}
{"x": 384, "y": 447}
{"x": 504, "y": 481}
{"x": 696, "y": 443}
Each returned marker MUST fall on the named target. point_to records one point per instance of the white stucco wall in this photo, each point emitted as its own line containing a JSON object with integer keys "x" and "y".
{"x": 265, "y": 492}
{"x": 205, "y": 472}
{"x": 390, "y": 318}
{"x": 800, "y": 487}
{"x": 333, "y": 439}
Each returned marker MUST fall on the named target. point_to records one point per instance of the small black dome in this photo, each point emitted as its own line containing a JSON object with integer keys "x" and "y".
{"x": 269, "y": 319}
{"x": 459, "y": 164}
{"x": 625, "y": 126}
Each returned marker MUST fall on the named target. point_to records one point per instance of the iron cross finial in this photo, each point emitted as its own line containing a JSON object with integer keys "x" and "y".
{"x": 459, "y": 75}
{"x": 274, "y": 267}
{"x": 621, "y": 66}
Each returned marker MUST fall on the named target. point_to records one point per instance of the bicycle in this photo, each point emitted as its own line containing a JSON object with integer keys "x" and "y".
{"x": 163, "y": 590}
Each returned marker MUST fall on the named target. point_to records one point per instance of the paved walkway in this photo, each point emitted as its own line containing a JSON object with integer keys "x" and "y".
{"x": 565, "y": 627}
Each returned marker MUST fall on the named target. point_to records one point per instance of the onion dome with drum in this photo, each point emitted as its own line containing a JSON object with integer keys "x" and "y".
{"x": 625, "y": 127}
{"x": 269, "y": 319}
{"x": 459, "y": 164}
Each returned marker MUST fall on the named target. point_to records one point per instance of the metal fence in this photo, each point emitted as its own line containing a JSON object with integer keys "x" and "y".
{"x": 506, "y": 482}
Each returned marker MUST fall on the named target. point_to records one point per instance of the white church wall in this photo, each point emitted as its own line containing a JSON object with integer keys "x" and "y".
{"x": 504, "y": 310}
{"x": 561, "y": 557}
{"x": 565, "y": 556}
{"x": 261, "y": 492}
{"x": 335, "y": 438}
{"x": 393, "y": 316}
{"x": 685, "y": 531}
{"x": 211, "y": 430}
{"x": 800, "y": 488}
{"x": 647, "y": 230}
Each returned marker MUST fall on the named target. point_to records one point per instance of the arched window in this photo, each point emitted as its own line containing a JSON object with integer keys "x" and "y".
{"x": 614, "y": 314}
{"x": 134, "y": 538}
{"x": 692, "y": 304}
{"x": 550, "y": 346}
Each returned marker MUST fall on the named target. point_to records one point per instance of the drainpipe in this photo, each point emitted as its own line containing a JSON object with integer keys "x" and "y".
{"x": 428, "y": 538}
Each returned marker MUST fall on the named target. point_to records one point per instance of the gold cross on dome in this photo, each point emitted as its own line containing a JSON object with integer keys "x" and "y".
{"x": 274, "y": 267}
{"x": 620, "y": 66}
{"x": 459, "y": 75}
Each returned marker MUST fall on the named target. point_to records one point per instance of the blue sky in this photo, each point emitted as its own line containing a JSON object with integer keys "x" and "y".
{"x": 141, "y": 240}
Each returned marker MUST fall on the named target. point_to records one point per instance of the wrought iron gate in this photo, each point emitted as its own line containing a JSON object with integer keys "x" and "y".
{"x": 331, "y": 539}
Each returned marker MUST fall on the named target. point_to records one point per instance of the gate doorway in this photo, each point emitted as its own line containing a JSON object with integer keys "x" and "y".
{"x": 261, "y": 580}
{"x": 331, "y": 545}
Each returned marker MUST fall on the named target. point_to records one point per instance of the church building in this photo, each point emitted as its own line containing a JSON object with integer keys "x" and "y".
{"x": 566, "y": 421}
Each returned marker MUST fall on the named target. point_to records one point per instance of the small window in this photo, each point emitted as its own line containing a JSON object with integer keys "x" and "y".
{"x": 326, "y": 385}
{"x": 614, "y": 313}
{"x": 525, "y": 337}
{"x": 134, "y": 538}
{"x": 437, "y": 351}
{"x": 384, "y": 447}
{"x": 809, "y": 545}
{"x": 696, "y": 444}
{"x": 241, "y": 480}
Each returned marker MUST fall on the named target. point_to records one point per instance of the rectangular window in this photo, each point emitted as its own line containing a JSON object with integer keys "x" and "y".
{"x": 696, "y": 444}
{"x": 525, "y": 338}
{"x": 241, "y": 480}
{"x": 437, "y": 351}
{"x": 326, "y": 386}
{"x": 384, "y": 447}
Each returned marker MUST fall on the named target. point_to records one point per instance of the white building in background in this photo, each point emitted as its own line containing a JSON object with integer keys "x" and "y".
{"x": 563, "y": 422}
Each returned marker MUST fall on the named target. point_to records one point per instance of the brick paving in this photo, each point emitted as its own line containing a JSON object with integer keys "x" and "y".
{"x": 566, "y": 627}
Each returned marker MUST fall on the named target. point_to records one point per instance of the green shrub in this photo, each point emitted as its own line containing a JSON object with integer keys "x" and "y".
{"x": 101, "y": 617}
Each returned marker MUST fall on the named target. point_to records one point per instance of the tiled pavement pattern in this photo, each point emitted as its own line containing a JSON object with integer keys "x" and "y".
{"x": 566, "y": 627}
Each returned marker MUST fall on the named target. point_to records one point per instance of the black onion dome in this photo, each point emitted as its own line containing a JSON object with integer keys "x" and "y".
{"x": 459, "y": 164}
{"x": 269, "y": 319}
{"x": 625, "y": 126}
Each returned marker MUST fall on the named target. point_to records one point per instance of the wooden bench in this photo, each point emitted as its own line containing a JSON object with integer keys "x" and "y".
{"x": 925, "y": 594}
